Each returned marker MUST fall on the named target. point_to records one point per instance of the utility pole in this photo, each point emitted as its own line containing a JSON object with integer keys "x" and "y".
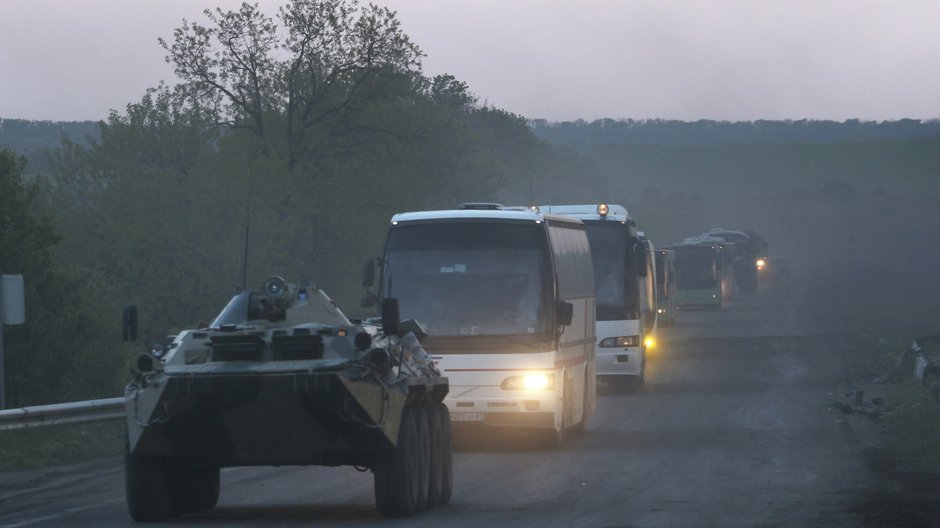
{"x": 12, "y": 312}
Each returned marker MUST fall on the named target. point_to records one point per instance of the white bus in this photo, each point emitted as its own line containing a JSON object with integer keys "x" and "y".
{"x": 507, "y": 296}
{"x": 624, "y": 276}
{"x": 649, "y": 293}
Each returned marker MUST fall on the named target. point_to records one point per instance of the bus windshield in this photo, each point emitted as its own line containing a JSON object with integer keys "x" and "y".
{"x": 471, "y": 278}
{"x": 696, "y": 268}
{"x": 615, "y": 275}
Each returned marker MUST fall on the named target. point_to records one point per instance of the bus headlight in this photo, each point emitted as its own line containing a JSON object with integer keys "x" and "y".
{"x": 536, "y": 381}
{"x": 649, "y": 342}
{"x": 761, "y": 263}
{"x": 620, "y": 342}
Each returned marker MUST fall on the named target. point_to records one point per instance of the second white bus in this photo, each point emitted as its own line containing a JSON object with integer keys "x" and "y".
{"x": 624, "y": 276}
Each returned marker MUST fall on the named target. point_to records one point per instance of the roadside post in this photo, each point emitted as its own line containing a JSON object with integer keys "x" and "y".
{"x": 12, "y": 312}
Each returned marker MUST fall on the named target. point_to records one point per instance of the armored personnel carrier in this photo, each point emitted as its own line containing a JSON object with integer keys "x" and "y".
{"x": 283, "y": 377}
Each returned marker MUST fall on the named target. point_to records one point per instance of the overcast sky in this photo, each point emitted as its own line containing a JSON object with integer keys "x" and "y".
{"x": 554, "y": 59}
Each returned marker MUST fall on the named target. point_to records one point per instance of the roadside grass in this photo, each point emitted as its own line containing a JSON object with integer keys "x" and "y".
{"x": 908, "y": 470}
{"x": 38, "y": 447}
{"x": 912, "y": 419}
{"x": 884, "y": 358}
{"x": 911, "y": 414}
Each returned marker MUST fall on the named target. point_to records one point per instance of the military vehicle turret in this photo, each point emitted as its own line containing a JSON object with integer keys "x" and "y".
{"x": 283, "y": 377}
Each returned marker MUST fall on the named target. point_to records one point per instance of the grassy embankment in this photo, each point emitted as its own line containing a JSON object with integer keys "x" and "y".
{"x": 60, "y": 444}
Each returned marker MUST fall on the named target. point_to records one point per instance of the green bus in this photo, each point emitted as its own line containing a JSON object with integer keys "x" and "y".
{"x": 699, "y": 273}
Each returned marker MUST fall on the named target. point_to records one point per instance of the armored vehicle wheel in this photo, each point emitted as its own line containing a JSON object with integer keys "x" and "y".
{"x": 185, "y": 490}
{"x": 422, "y": 427}
{"x": 211, "y": 485}
{"x": 147, "y": 488}
{"x": 194, "y": 487}
{"x": 397, "y": 476}
{"x": 436, "y": 452}
{"x": 447, "y": 466}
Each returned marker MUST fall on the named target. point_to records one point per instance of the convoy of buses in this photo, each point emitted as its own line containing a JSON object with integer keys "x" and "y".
{"x": 526, "y": 308}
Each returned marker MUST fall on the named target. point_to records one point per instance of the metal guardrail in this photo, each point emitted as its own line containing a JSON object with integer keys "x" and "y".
{"x": 62, "y": 413}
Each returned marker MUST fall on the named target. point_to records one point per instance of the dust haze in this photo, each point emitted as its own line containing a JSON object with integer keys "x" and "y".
{"x": 864, "y": 241}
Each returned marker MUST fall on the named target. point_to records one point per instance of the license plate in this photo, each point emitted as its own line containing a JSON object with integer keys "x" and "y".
{"x": 466, "y": 417}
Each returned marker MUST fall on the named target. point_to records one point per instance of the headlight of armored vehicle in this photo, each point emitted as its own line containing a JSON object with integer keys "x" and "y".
{"x": 157, "y": 350}
{"x": 275, "y": 286}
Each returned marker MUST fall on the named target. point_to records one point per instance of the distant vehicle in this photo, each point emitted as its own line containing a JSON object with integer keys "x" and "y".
{"x": 283, "y": 377}
{"x": 698, "y": 266}
{"x": 624, "y": 277}
{"x": 749, "y": 248}
{"x": 666, "y": 287}
{"x": 726, "y": 255}
{"x": 773, "y": 268}
{"x": 508, "y": 298}
{"x": 724, "y": 265}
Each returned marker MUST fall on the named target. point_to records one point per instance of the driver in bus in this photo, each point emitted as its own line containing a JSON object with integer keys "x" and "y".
{"x": 610, "y": 288}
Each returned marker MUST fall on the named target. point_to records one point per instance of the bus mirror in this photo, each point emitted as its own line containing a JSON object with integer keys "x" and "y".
{"x": 129, "y": 323}
{"x": 564, "y": 313}
{"x": 368, "y": 273}
{"x": 391, "y": 318}
{"x": 642, "y": 263}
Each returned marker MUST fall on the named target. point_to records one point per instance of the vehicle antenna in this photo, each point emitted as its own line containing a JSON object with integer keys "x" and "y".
{"x": 245, "y": 256}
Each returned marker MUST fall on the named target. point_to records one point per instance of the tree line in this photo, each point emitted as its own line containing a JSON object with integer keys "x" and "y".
{"x": 707, "y": 132}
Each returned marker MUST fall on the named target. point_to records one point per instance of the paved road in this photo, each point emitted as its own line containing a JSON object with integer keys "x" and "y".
{"x": 732, "y": 429}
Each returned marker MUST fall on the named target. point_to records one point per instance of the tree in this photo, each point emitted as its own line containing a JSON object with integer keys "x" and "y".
{"x": 62, "y": 352}
{"x": 334, "y": 51}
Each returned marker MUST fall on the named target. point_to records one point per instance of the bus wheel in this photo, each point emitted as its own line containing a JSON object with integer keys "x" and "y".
{"x": 627, "y": 384}
{"x": 554, "y": 438}
{"x": 578, "y": 428}
{"x": 641, "y": 379}
{"x": 396, "y": 471}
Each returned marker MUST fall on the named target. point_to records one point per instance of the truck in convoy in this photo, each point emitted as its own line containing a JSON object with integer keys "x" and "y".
{"x": 749, "y": 248}
{"x": 666, "y": 289}
{"x": 624, "y": 278}
{"x": 507, "y": 295}
{"x": 283, "y": 377}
